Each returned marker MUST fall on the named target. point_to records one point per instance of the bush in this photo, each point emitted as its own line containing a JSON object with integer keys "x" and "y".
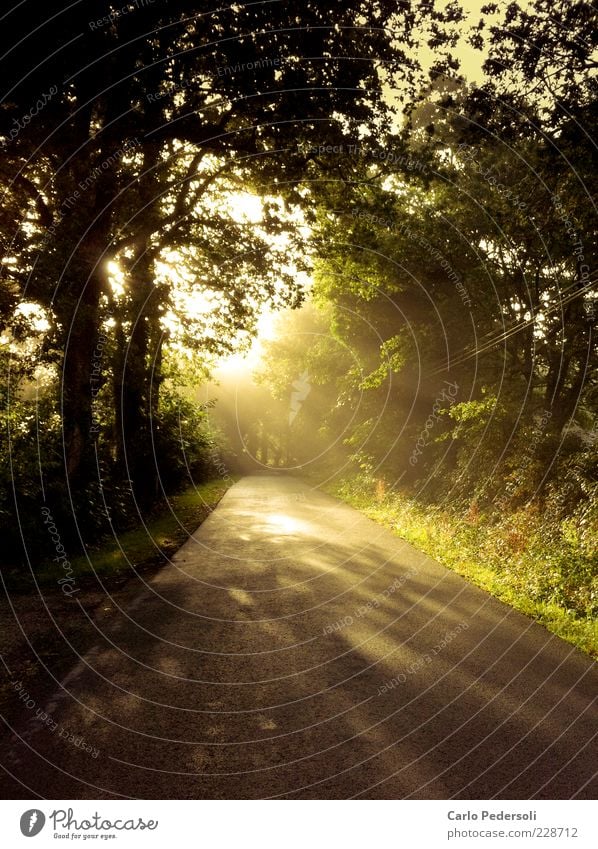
{"x": 182, "y": 441}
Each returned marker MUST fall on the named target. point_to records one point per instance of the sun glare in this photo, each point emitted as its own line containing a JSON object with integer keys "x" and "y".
{"x": 194, "y": 304}
{"x": 244, "y": 208}
{"x": 246, "y": 361}
{"x": 116, "y": 278}
{"x": 35, "y": 315}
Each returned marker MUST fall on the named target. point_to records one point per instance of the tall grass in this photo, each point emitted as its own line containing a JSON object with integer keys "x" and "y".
{"x": 546, "y": 571}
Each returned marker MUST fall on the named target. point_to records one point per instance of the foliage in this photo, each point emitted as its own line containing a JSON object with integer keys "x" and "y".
{"x": 451, "y": 245}
{"x": 466, "y": 259}
{"x": 181, "y": 442}
{"x": 31, "y": 465}
{"x": 546, "y": 572}
{"x": 124, "y": 149}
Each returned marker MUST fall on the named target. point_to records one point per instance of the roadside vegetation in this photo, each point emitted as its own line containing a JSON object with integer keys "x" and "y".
{"x": 151, "y": 542}
{"x": 446, "y": 368}
{"x": 545, "y": 570}
{"x": 43, "y": 629}
{"x": 442, "y": 243}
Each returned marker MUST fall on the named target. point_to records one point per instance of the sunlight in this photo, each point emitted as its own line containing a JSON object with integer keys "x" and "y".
{"x": 116, "y": 278}
{"x": 35, "y": 314}
{"x": 244, "y": 208}
{"x": 237, "y": 363}
{"x": 197, "y": 303}
{"x": 241, "y": 597}
{"x": 189, "y": 298}
{"x": 241, "y": 362}
{"x": 266, "y": 325}
{"x": 282, "y": 524}
{"x": 194, "y": 303}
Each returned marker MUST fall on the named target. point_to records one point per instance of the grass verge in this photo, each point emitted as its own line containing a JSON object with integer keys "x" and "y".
{"x": 150, "y": 544}
{"x": 554, "y": 583}
{"x": 43, "y": 632}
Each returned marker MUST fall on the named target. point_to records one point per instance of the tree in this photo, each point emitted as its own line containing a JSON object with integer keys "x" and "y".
{"x": 543, "y": 55}
{"x": 478, "y": 275}
{"x": 126, "y": 94}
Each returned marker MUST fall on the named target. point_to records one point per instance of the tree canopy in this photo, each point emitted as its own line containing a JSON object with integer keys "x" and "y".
{"x": 169, "y": 171}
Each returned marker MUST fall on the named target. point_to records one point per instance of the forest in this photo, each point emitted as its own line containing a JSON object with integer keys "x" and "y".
{"x": 396, "y": 199}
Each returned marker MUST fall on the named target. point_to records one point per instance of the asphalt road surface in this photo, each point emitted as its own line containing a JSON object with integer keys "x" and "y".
{"x": 295, "y": 649}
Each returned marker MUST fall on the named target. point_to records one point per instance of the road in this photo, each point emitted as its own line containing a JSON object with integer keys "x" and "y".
{"x": 295, "y": 649}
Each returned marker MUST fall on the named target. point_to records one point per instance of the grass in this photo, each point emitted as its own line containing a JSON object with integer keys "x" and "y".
{"x": 149, "y": 544}
{"x": 551, "y": 580}
{"x": 50, "y": 624}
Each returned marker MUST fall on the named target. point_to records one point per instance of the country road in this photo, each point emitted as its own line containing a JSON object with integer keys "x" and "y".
{"x": 295, "y": 649}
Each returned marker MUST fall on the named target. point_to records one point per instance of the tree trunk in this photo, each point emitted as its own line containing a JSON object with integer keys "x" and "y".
{"x": 80, "y": 360}
{"x": 135, "y": 422}
{"x": 82, "y": 372}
